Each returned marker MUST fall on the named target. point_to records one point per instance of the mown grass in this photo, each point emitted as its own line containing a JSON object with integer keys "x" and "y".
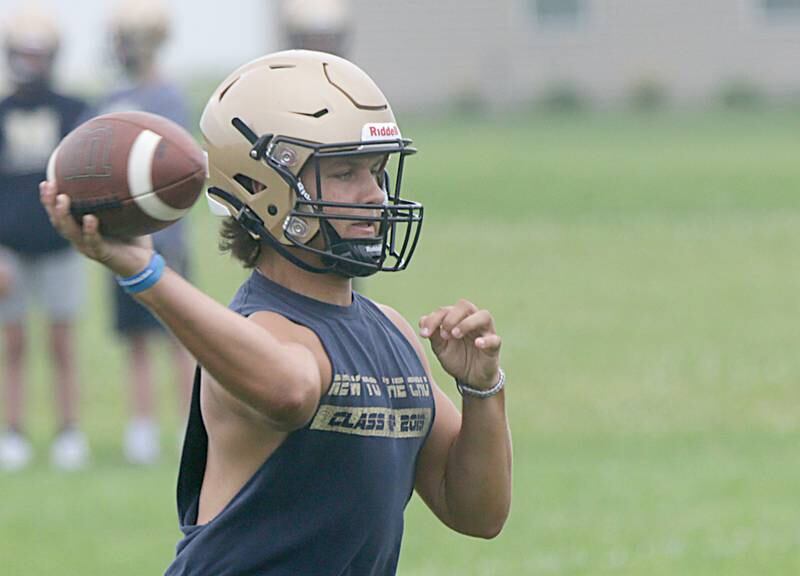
{"x": 643, "y": 272}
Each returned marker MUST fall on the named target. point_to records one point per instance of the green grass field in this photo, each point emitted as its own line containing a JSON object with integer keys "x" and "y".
{"x": 645, "y": 275}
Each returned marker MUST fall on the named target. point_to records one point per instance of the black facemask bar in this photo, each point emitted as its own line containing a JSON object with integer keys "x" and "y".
{"x": 398, "y": 220}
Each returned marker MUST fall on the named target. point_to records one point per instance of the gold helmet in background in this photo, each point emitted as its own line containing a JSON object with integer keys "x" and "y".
{"x": 315, "y": 15}
{"x": 31, "y": 37}
{"x": 139, "y": 29}
{"x": 273, "y": 116}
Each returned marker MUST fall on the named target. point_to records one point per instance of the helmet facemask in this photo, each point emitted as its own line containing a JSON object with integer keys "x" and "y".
{"x": 309, "y": 225}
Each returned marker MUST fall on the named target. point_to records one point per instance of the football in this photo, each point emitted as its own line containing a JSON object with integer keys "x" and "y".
{"x": 137, "y": 172}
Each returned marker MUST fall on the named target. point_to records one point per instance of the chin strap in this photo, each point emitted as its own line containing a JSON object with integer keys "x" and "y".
{"x": 367, "y": 252}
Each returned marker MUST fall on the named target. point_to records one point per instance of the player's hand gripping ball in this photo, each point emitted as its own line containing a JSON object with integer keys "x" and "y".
{"x": 137, "y": 172}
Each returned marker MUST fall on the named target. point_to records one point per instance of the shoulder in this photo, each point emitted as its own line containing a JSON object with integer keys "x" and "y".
{"x": 7, "y": 103}
{"x": 396, "y": 318}
{"x": 171, "y": 90}
{"x": 67, "y": 101}
{"x": 405, "y": 328}
{"x": 110, "y": 97}
{"x": 116, "y": 101}
{"x": 242, "y": 299}
{"x": 285, "y": 330}
{"x": 69, "y": 107}
{"x": 281, "y": 327}
{"x": 171, "y": 102}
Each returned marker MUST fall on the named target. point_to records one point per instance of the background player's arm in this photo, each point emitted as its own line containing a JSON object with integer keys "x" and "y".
{"x": 280, "y": 380}
{"x": 464, "y": 470}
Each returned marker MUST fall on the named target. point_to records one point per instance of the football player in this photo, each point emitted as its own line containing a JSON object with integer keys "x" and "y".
{"x": 314, "y": 413}
{"x": 323, "y": 25}
{"x": 139, "y": 31}
{"x": 41, "y": 265}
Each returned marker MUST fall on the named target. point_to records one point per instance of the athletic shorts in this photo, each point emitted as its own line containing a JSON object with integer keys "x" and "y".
{"x": 130, "y": 317}
{"x": 55, "y": 282}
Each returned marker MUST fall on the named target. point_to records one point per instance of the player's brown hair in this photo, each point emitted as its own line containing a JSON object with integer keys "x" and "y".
{"x": 235, "y": 239}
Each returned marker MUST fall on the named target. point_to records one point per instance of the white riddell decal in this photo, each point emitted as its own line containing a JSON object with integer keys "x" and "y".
{"x": 380, "y": 131}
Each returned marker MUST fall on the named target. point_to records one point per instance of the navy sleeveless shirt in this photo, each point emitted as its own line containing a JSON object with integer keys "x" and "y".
{"x": 330, "y": 499}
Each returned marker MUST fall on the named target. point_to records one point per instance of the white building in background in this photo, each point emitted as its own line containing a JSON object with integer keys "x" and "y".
{"x": 430, "y": 52}
{"x": 425, "y": 52}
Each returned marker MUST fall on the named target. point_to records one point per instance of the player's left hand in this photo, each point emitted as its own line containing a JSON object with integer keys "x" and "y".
{"x": 465, "y": 342}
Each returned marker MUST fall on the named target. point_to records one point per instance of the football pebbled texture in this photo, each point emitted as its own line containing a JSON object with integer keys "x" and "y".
{"x": 137, "y": 172}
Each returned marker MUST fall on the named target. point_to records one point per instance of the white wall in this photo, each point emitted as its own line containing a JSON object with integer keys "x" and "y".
{"x": 424, "y": 52}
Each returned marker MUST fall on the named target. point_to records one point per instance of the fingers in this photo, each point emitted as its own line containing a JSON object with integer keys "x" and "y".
{"x": 57, "y": 207}
{"x": 490, "y": 344}
{"x": 430, "y": 325}
{"x": 47, "y": 195}
{"x": 92, "y": 241}
{"x": 464, "y": 319}
{"x": 85, "y": 236}
{"x": 451, "y": 318}
{"x": 478, "y": 323}
{"x": 444, "y": 319}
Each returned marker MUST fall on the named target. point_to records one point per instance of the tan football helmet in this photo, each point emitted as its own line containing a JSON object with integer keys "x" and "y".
{"x": 271, "y": 117}
{"x": 139, "y": 29}
{"x": 32, "y": 38}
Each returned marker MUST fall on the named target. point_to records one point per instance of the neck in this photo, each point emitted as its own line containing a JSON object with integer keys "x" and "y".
{"x": 146, "y": 75}
{"x": 330, "y": 288}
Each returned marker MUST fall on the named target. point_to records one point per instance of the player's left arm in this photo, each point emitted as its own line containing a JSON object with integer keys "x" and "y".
{"x": 464, "y": 470}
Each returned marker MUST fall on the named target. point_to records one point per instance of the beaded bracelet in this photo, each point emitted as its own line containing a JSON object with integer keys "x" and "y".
{"x": 146, "y": 278}
{"x": 466, "y": 390}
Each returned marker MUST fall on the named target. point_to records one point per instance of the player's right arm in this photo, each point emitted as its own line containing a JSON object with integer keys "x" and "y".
{"x": 277, "y": 377}
{"x": 269, "y": 373}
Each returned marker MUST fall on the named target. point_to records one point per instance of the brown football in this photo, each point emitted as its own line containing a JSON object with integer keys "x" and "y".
{"x": 137, "y": 172}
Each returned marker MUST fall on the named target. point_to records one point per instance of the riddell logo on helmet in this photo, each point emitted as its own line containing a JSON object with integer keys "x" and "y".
{"x": 380, "y": 131}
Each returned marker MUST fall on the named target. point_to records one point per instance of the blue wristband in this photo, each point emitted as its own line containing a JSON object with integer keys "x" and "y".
{"x": 144, "y": 279}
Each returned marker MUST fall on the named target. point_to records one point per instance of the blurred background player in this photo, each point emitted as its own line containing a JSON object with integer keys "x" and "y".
{"x": 322, "y": 25}
{"x": 36, "y": 260}
{"x": 139, "y": 30}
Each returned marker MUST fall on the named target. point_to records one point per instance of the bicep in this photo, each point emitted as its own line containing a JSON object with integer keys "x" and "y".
{"x": 302, "y": 342}
{"x": 432, "y": 462}
{"x": 431, "y": 471}
{"x": 282, "y": 387}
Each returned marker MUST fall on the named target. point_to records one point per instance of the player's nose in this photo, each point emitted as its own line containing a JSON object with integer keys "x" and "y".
{"x": 370, "y": 191}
